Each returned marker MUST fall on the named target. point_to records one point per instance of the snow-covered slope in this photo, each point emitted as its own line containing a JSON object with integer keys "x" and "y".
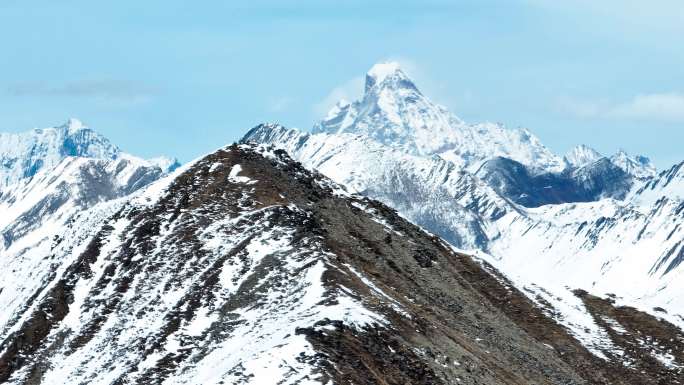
{"x": 246, "y": 268}
{"x": 429, "y": 191}
{"x": 581, "y": 155}
{"x": 68, "y": 180}
{"x": 639, "y": 166}
{"x": 669, "y": 184}
{"x": 25, "y": 154}
{"x": 37, "y": 212}
{"x": 395, "y": 113}
{"x": 603, "y": 247}
{"x": 592, "y": 246}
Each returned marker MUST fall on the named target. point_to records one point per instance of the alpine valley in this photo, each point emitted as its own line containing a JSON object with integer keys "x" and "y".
{"x": 393, "y": 244}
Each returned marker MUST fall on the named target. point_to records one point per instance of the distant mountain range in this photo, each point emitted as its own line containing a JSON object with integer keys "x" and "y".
{"x": 393, "y": 244}
{"x": 24, "y": 155}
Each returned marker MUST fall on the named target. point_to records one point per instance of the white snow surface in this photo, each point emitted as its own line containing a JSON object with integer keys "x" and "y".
{"x": 569, "y": 310}
{"x": 581, "y": 155}
{"x": 380, "y": 71}
{"x": 669, "y": 184}
{"x": 234, "y": 176}
{"x": 638, "y": 166}
{"x": 395, "y": 113}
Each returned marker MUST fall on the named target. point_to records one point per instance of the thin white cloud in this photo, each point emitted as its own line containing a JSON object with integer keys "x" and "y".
{"x": 105, "y": 90}
{"x": 663, "y": 107}
{"x": 280, "y": 104}
{"x": 668, "y": 106}
{"x": 351, "y": 90}
{"x": 635, "y": 16}
{"x": 409, "y": 66}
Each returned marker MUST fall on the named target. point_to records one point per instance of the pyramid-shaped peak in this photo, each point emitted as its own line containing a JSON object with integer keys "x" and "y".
{"x": 75, "y": 124}
{"x": 621, "y": 153}
{"x": 381, "y": 72}
{"x": 638, "y": 166}
{"x": 70, "y": 127}
{"x": 581, "y": 155}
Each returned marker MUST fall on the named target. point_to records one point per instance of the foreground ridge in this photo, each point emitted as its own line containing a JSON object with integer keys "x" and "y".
{"x": 245, "y": 267}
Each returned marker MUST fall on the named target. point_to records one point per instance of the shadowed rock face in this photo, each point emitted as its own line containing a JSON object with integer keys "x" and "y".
{"x": 599, "y": 179}
{"x": 248, "y": 268}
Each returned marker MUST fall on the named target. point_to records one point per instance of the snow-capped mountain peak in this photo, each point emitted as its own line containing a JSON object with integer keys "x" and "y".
{"x": 380, "y": 71}
{"x": 23, "y": 155}
{"x": 581, "y": 155}
{"x": 390, "y": 100}
{"x": 395, "y": 113}
{"x": 388, "y": 74}
{"x": 74, "y": 125}
{"x": 638, "y": 166}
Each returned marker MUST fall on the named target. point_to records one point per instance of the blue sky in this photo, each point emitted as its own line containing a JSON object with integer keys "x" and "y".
{"x": 181, "y": 78}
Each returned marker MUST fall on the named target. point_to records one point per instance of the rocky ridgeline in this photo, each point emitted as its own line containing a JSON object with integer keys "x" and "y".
{"x": 248, "y": 268}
